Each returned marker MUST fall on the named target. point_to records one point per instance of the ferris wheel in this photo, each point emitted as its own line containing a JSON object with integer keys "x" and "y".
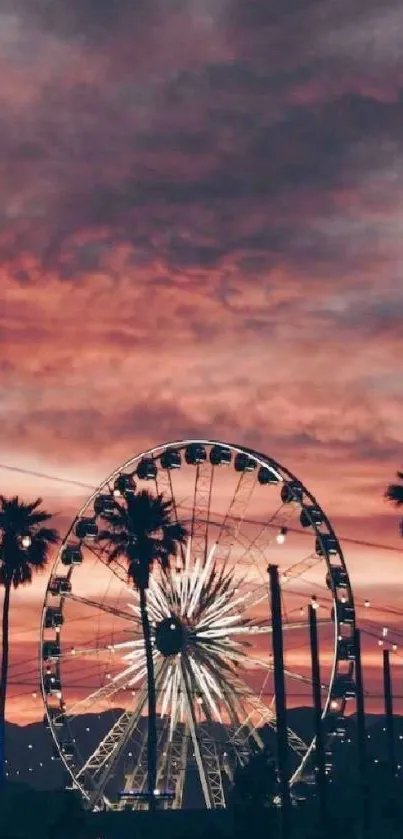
{"x": 211, "y": 630}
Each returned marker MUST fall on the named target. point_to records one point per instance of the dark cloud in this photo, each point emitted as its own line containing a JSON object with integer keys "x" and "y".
{"x": 91, "y": 20}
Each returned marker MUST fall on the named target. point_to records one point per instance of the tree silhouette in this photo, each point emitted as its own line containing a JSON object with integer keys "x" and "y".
{"x": 394, "y": 493}
{"x": 144, "y": 531}
{"x": 255, "y": 785}
{"x": 24, "y": 548}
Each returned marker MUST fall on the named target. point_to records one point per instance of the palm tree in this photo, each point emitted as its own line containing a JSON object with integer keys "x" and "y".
{"x": 145, "y": 530}
{"x": 24, "y": 548}
{"x": 394, "y": 493}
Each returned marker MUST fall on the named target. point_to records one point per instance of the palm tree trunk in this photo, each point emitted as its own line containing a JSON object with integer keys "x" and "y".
{"x": 152, "y": 705}
{"x": 3, "y": 677}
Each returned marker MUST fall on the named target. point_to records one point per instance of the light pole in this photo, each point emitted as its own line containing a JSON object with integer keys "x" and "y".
{"x": 390, "y": 723}
{"x": 320, "y": 775}
{"x": 280, "y": 697}
{"x": 361, "y": 732}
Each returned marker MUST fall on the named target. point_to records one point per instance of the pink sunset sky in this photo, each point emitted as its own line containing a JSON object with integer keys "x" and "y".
{"x": 201, "y": 235}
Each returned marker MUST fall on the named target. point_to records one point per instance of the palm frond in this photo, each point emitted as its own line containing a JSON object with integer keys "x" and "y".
{"x": 34, "y": 505}
{"x": 394, "y": 493}
{"x": 143, "y": 530}
{"x": 18, "y": 519}
{"x": 48, "y": 534}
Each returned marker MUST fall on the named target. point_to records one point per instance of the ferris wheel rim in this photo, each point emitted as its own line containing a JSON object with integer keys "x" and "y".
{"x": 155, "y": 452}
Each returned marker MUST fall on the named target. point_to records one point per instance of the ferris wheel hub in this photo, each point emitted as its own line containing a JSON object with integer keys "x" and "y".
{"x": 170, "y": 636}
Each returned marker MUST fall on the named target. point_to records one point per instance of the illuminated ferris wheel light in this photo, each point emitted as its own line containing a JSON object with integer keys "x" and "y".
{"x": 281, "y": 536}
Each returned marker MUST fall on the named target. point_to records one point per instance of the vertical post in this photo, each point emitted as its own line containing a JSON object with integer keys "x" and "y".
{"x": 279, "y": 692}
{"x": 361, "y": 732}
{"x": 390, "y": 724}
{"x": 317, "y": 706}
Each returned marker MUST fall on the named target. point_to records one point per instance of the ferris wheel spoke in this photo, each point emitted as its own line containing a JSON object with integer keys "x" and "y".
{"x": 258, "y": 548}
{"x": 234, "y": 518}
{"x": 100, "y": 606}
{"x": 256, "y": 714}
{"x": 118, "y": 570}
{"x": 112, "y": 739}
{"x": 127, "y": 678}
{"x": 205, "y": 686}
{"x": 82, "y": 652}
{"x": 200, "y": 523}
{"x": 136, "y": 777}
{"x": 164, "y": 486}
{"x": 212, "y": 764}
{"x": 195, "y": 740}
{"x": 290, "y": 674}
{"x": 176, "y": 769}
{"x": 296, "y": 571}
{"x": 266, "y": 628}
{"x": 224, "y": 610}
{"x": 245, "y": 729}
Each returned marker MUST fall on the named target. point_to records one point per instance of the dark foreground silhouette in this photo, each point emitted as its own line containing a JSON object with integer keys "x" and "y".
{"x": 252, "y": 812}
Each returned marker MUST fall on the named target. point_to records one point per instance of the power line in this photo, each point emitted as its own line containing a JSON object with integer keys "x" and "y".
{"x": 46, "y": 477}
{"x": 82, "y": 485}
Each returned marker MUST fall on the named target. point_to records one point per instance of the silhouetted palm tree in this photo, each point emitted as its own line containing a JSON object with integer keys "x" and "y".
{"x": 24, "y": 548}
{"x": 394, "y": 493}
{"x": 144, "y": 531}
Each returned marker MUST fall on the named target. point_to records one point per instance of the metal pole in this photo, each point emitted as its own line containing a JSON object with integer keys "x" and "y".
{"x": 280, "y": 697}
{"x": 320, "y": 776}
{"x": 390, "y": 723}
{"x": 361, "y": 732}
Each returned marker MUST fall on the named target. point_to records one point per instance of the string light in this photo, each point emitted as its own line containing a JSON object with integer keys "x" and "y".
{"x": 26, "y": 541}
{"x": 281, "y": 536}
{"x": 367, "y": 604}
{"x": 314, "y": 602}
{"x": 385, "y": 631}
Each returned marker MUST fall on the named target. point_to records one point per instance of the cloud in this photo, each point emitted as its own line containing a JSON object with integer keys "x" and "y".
{"x": 200, "y": 233}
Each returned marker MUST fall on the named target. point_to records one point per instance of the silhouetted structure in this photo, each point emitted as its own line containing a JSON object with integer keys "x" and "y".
{"x": 361, "y": 732}
{"x": 280, "y": 697}
{"x": 320, "y": 774}
{"x": 390, "y": 723}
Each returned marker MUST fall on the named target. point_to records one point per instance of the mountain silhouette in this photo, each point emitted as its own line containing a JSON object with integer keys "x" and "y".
{"x": 32, "y": 758}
